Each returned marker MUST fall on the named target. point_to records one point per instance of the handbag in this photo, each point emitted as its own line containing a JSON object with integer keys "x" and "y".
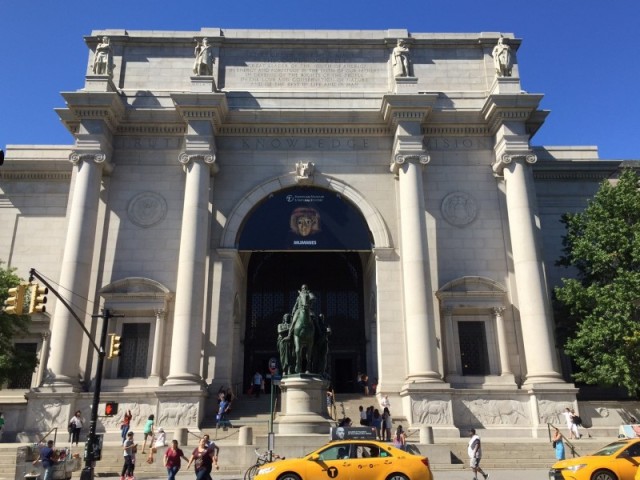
{"x": 553, "y": 444}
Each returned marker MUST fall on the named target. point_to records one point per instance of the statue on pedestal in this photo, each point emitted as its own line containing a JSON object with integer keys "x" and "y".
{"x": 303, "y": 337}
{"x": 502, "y": 58}
{"x": 103, "y": 61}
{"x": 400, "y": 59}
{"x": 203, "y": 64}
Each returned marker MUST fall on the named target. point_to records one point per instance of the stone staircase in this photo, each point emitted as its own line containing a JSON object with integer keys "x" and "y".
{"x": 444, "y": 454}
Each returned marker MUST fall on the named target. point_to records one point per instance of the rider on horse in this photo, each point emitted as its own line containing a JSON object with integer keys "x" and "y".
{"x": 300, "y": 304}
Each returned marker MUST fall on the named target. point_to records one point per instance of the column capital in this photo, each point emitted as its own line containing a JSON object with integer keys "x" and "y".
{"x": 498, "y": 311}
{"x": 185, "y": 158}
{"x": 399, "y": 159}
{"x": 99, "y": 158}
{"x": 506, "y": 158}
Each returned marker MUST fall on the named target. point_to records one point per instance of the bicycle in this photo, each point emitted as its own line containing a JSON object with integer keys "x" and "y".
{"x": 262, "y": 459}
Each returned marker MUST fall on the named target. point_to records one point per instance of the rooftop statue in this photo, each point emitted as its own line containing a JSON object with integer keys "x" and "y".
{"x": 103, "y": 60}
{"x": 203, "y": 64}
{"x": 502, "y": 58}
{"x": 400, "y": 59}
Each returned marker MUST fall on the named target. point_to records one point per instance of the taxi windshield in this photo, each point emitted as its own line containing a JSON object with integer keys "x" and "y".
{"x": 609, "y": 449}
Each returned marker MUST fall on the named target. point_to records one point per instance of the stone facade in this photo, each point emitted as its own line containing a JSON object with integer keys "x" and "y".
{"x": 142, "y": 215}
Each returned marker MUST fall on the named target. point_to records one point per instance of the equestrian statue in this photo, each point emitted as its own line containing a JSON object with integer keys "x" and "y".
{"x": 303, "y": 337}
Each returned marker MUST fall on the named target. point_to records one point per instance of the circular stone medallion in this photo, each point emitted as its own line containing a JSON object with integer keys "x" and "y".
{"x": 147, "y": 209}
{"x": 459, "y": 209}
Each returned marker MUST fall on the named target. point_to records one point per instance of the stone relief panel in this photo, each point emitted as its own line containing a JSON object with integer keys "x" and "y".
{"x": 177, "y": 413}
{"x": 139, "y": 412}
{"x": 459, "y": 209}
{"x": 550, "y": 411}
{"x": 491, "y": 412}
{"x": 47, "y": 413}
{"x": 147, "y": 209}
{"x": 431, "y": 412}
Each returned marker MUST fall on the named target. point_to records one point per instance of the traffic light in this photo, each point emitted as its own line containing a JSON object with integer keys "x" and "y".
{"x": 114, "y": 346}
{"x": 110, "y": 409}
{"x": 38, "y": 298}
{"x": 14, "y": 305}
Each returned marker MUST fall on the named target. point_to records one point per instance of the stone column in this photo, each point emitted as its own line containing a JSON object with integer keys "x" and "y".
{"x": 533, "y": 299}
{"x": 420, "y": 326}
{"x": 186, "y": 338}
{"x": 512, "y": 115}
{"x": 503, "y": 349}
{"x": 75, "y": 271}
{"x": 202, "y": 113}
{"x": 407, "y": 113}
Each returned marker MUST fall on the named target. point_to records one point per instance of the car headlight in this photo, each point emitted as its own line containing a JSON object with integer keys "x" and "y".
{"x": 575, "y": 468}
{"x": 265, "y": 470}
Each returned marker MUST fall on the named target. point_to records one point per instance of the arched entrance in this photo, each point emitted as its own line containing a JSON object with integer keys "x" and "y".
{"x": 314, "y": 236}
{"x": 336, "y": 280}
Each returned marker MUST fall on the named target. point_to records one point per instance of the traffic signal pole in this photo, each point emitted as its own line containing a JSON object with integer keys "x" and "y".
{"x": 89, "y": 464}
{"x": 88, "y": 470}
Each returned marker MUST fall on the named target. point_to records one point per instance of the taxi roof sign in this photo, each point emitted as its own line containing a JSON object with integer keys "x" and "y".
{"x": 353, "y": 433}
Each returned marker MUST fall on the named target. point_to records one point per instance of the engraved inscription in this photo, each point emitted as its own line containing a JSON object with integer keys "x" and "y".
{"x": 457, "y": 143}
{"x": 304, "y": 69}
{"x": 303, "y": 143}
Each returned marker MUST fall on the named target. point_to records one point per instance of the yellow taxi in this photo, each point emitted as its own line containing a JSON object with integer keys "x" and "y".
{"x": 350, "y": 460}
{"x": 616, "y": 461}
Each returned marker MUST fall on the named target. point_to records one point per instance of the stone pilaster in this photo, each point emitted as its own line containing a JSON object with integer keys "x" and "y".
{"x": 503, "y": 346}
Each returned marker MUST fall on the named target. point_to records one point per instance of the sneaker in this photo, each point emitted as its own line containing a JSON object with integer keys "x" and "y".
{"x": 486, "y": 476}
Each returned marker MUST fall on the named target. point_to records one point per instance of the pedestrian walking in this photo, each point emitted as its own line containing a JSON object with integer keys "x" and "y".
{"x": 475, "y": 455}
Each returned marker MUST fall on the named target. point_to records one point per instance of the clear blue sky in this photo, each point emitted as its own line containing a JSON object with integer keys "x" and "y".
{"x": 584, "y": 56}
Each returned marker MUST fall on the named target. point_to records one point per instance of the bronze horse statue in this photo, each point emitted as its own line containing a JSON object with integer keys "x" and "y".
{"x": 303, "y": 331}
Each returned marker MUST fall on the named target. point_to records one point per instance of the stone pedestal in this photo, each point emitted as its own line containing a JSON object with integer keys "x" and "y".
{"x": 303, "y": 405}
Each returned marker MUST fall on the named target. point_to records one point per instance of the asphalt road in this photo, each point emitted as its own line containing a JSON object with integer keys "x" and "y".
{"x": 462, "y": 474}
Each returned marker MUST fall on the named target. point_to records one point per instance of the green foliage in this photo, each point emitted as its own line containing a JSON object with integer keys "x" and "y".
{"x": 13, "y": 362}
{"x": 602, "y": 244}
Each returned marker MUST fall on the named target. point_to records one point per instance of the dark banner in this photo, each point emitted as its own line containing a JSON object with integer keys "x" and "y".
{"x": 305, "y": 218}
{"x": 353, "y": 433}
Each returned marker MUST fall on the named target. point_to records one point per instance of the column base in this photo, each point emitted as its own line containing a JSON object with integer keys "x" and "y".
{"x": 184, "y": 380}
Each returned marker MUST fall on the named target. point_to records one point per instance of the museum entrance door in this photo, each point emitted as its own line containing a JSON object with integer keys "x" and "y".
{"x": 335, "y": 278}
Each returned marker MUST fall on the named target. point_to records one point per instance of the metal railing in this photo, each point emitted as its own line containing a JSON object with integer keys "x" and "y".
{"x": 565, "y": 440}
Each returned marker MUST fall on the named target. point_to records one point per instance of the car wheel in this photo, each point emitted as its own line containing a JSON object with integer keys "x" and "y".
{"x": 397, "y": 476}
{"x": 603, "y": 475}
{"x": 289, "y": 476}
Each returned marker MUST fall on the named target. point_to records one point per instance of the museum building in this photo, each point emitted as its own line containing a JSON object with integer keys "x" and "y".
{"x": 214, "y": 172}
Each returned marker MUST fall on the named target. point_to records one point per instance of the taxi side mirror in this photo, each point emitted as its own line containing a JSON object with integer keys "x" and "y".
{"x": 315, "y": 457}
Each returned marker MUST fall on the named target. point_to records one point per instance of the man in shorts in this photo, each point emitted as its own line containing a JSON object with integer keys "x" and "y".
{"x": 475, "y": 455}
